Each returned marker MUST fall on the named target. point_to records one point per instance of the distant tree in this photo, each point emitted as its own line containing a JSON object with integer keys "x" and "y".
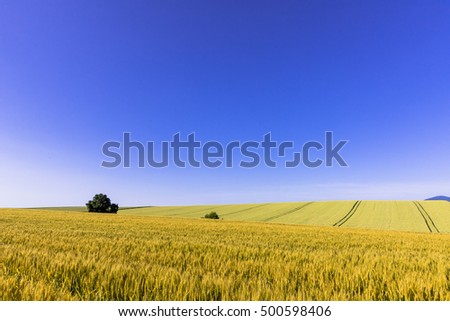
{"x": 101, "y": 203}
{"x": 212, "y": 215}
{"x": 114, "y": 208}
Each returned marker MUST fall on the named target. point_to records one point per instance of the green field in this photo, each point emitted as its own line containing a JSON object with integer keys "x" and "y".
{"x": 421, "y": 216}
{"x": 60, "y": 255}
{"x": 73, "y": 208}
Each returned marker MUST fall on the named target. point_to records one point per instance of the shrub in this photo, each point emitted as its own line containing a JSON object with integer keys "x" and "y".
{"x": 212, "y": 215}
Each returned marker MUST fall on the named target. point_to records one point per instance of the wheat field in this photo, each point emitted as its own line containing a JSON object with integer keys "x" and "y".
{"x": 58, "y": 255}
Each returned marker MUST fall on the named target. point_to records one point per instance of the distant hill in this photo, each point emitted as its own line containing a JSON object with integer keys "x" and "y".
{"x": 439, "y": 198}
{"x": 411, "y": 216}
{"x": 80, "y": 208}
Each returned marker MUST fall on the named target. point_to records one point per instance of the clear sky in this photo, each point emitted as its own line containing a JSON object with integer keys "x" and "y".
{"x": 76, "y": 74}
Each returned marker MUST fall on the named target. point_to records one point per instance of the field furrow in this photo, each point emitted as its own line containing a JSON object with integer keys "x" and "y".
{"x": 439, "y": 212}
{"x": 265, "y": 213}
{"x": 427, "y": 219}
{"x": 296, "y": 209}
{"x": 388, "y": 215}
{"x": 348, "y": 215}
{"x": 317, "y": 213}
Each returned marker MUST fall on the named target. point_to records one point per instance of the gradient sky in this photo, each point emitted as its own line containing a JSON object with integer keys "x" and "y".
{"x": 76, "y": 74}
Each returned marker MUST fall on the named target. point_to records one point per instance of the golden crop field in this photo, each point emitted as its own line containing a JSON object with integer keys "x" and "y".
{"x": 57, "y": 255}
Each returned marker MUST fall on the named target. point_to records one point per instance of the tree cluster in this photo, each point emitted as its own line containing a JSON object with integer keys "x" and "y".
{"x": 101, "y": 204}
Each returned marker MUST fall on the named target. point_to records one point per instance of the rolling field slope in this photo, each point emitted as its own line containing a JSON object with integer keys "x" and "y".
{"x": 423, "y": 216}
{"x": 56, "y": 255}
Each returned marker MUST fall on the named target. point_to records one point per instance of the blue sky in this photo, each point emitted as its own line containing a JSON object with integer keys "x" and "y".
{"x": 76, "y": 74}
